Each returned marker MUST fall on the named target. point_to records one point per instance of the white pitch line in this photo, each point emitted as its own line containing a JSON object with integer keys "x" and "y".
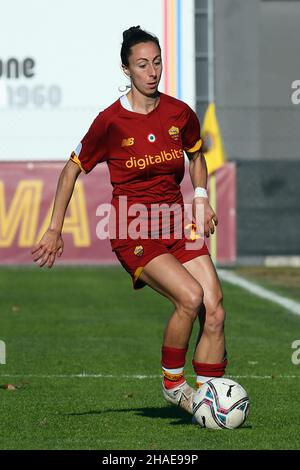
{"x": 136, "y": 377}
{"x": 259, "y": 291}
{"x": 226, "y": 276}
{"x": 81, "y": 376}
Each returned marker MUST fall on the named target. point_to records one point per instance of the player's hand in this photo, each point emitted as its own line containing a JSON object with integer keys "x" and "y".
{"x": 50, "y": 246}
{"x": 204, "y": 216}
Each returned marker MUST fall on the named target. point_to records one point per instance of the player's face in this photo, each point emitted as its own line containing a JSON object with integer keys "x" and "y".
{"x": 145, "y": 67}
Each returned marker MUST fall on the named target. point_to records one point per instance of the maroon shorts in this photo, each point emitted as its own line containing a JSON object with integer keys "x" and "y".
{"x": 135, "y": 254}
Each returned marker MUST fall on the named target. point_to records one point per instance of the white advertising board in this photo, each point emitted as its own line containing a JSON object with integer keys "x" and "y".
{"x": 60, "y": 66}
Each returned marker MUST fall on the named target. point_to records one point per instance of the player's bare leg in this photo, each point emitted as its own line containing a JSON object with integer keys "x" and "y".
{"x": 209, "y": 357}
{"x": 168, "y": 277}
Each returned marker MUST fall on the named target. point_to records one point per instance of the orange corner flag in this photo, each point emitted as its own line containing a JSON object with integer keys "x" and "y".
{"x": 215, "y": 156}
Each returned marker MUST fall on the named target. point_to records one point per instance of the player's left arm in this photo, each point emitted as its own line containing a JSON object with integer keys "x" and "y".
{"x": 198, "y": 173}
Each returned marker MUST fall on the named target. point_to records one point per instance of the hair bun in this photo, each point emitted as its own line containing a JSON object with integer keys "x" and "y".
{"x": 131, "y": 37}
{"x": 130, "y": 32}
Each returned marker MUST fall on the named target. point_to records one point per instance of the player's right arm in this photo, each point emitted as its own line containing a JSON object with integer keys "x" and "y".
{"x": 51, "y": 244}
{"x": 90, "y": 151}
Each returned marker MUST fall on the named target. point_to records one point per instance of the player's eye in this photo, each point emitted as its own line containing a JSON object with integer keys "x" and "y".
{"x": 142, "y": 66}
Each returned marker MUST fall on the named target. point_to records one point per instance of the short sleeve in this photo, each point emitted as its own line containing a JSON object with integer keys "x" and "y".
{"x": 93, "y": 147}
{"x": 191, "y": 135}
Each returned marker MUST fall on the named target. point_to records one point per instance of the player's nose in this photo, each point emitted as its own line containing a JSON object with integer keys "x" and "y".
{"x": 152, "y": 72}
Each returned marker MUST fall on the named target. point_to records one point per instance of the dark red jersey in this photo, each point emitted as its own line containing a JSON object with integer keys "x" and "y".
{"x": 144, "y": 152}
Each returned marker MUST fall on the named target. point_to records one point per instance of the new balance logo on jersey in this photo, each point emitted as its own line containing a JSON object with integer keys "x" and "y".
{"x": 127, "y": 142}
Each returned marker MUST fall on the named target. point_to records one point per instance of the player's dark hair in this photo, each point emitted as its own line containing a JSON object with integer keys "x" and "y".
{"x": 131, "y": 37}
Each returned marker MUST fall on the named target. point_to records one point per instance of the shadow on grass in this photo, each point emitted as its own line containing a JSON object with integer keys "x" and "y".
{"x": 167, "y": 412}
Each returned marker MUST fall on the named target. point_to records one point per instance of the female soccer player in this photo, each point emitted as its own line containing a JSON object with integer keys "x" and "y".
{"x": 142, "y": 137}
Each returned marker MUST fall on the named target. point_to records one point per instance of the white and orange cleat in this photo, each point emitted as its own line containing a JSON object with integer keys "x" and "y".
{"x": 182, "y": 396}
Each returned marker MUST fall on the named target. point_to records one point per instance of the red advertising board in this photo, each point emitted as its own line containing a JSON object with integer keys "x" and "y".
{"x": 26, "y": 198}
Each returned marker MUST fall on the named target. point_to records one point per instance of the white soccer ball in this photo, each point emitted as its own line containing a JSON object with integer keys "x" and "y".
{"x": 221, "y": 403}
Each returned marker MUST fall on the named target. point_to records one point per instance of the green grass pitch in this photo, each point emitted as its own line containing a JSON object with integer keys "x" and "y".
{"x": 59, "y": 324}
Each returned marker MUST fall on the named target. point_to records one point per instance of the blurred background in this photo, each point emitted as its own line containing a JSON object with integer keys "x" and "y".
{"x": 253, "y": 50}
{"x": 79, "y": 348}
{"x": 235, "y": 62}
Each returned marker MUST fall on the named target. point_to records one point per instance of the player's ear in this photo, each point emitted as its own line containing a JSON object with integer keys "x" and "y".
{"x": 126, "y": 70}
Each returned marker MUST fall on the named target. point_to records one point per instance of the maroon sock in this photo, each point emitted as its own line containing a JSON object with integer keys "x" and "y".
{"x": 173, "y": 358}
{"x": 209, "y": 370}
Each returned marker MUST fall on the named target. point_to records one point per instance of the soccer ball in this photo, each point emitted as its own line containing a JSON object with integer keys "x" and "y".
{"x": 221, "y": 403}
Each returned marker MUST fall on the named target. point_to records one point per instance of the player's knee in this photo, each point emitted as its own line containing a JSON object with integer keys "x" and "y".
{"x": 191, "y": 301}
